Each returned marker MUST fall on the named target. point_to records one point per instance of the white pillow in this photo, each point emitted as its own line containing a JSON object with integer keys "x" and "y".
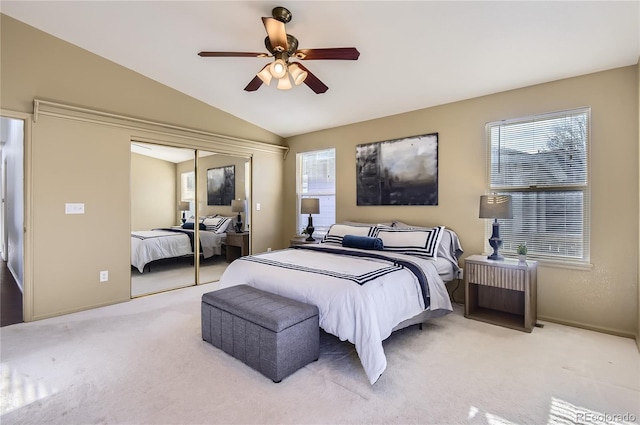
{"x": 192, "y": 219}
{"x": 419, "y": 242}
{"x": 338, "y": 231}
{"x": 217, "y": 224}
{"x": 449, "y": 248}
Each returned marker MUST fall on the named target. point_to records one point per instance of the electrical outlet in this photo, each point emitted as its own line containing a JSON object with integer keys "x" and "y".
{"x": 268, "y": 249}
{"x": 104, "y": 276}
{"x": 460, "y": 274}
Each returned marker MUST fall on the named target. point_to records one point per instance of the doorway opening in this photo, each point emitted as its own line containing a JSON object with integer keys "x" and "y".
{"x": 12, "y": 136}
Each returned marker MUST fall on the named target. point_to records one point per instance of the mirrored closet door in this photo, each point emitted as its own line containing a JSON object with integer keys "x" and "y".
{"x": 223, "y": 194}
{"x": 169, "y": 190}
{"x": 162, "y": 201}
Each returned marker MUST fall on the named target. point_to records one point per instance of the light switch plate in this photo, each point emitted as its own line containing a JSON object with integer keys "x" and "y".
{"x": 73, "y": 208}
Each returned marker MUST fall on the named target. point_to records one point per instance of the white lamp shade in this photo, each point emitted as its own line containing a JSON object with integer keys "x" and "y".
{"x": 278, "y": 68}
{"x": 284, "y": 83}
{"x": 310, "y": 206}
{"x": 237, "y": 205}
{"x": 297, "y": 74}
{"x": 265, "y": 75}
{"x": 495, "y": 206}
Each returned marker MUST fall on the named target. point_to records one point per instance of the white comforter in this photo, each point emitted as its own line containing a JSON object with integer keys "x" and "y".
{"x": 362, "y": 314}
{"x": 151, "y": 245}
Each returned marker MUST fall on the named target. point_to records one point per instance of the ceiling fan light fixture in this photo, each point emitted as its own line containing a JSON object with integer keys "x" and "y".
{"x": 282, "y": 47}
{"x": 297, "y": 74}
{"x": 278, "y": 68}
{"x": 284, "y": 83}
{"x": 265, "y": 75}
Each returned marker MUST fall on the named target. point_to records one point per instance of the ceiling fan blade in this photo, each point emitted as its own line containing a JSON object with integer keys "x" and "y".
{"x": 232, "y": 55}
{"x": 277, "y": 34}
{"x": 313, "y": 82}
{"x": 254, "y": 84}
{"x": 339, "y": 53}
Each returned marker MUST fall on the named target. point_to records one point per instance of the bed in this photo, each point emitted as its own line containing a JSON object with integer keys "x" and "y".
{"x": 148, "y": 246}
{"x": 363, "y": 294}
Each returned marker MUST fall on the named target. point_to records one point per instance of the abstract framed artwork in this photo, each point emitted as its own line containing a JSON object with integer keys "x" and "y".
{"x": 398, "y": 172}
{"x": 221, "y": 185}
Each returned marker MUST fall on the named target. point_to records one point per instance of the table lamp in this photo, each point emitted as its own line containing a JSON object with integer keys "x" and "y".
{"x": 495, "y": 206}
{"x": 183, "y": 206}
{"x": 310, "y": 206}
{"x": 237, "y": 205}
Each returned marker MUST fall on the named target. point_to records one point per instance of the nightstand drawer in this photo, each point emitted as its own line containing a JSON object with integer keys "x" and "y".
{"x": 506, "y": 278}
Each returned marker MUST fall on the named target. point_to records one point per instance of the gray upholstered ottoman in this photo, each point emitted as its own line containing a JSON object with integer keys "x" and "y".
{"x": 272, "y": 334}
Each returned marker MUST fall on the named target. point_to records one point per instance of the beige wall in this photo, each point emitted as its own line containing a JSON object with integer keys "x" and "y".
{"x": 69, "y": 251}
{"x": 638, "y": 281}
{"x": 604, "y": 297}
{"x": 74, "y": 161}
{"x": 153, "y": 193}
{"x": 37, "y": 65}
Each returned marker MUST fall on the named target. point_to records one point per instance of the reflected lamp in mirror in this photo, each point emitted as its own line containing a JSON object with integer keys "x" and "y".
{"x": 237, "y": 206}
{"x": 310, "y": 206}
{"x": 495, "y": 206}
{"x": 183, "y": 206}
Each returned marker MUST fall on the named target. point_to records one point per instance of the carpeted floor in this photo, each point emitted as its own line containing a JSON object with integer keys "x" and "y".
{"x": 144, "y": 362}
{"x": 175, "y": 273}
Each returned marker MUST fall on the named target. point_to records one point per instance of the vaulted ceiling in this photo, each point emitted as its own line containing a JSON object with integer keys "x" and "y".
{"x": 413, "y": 54}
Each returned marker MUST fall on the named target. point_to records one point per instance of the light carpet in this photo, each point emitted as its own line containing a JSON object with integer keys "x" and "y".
{"x": 144, "y": 362}
{"x": 173, "y": 274}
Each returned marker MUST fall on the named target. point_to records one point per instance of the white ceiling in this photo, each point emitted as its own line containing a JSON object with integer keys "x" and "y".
{"x": 413, "y": 54}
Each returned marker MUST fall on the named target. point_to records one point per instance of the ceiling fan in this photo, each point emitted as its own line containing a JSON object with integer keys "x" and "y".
{"x": 282, "y": 47}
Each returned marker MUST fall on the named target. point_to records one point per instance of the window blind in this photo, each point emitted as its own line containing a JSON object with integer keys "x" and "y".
{"x": 542, "y": 162}
{"x": 316, "y": 175}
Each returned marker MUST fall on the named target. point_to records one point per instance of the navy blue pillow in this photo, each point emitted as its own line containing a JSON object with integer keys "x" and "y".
{"x": 362, "y": 242}
{"x": 189, "y": 225}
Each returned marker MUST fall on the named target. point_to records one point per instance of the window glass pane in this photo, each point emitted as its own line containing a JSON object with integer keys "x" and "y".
{"x": 549, "y": 223}
{"x": 188, "y": 186}
{"x": 542, "y": 162}
{"x": 540, "y": 152}
{"x": 318, "y": 172}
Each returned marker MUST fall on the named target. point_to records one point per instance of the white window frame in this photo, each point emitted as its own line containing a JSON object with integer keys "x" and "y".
{"x": 302, "y": 192}
{"x": 561, "y": 257}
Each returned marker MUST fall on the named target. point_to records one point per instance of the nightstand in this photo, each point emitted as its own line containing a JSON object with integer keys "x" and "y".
{"x": 502, "y": 292}
{"x": 237, "y": 245}
{"x": 301, "y": 240}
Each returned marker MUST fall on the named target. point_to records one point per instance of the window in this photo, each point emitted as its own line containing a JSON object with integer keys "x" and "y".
{"x": 542, "y": 162}
{"x": 316, "y": 175}
{"x": 188, "y": 190}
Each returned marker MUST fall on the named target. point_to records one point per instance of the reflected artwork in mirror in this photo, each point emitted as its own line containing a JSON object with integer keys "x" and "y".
{"x": 221, "y": 185}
